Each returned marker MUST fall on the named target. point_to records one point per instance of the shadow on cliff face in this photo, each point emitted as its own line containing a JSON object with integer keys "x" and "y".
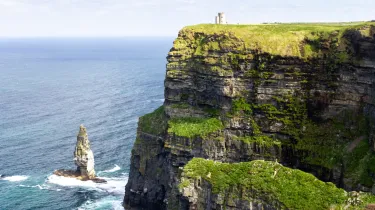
{"x": 363, "y": 42}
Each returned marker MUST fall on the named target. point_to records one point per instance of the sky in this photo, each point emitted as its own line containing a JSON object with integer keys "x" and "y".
{"x": 108, "y": 18}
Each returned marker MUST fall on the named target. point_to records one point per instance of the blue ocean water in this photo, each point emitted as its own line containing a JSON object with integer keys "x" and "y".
{"x": 48, "y": 87}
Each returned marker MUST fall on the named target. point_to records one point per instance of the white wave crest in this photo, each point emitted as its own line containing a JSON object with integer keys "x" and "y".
{"x": 105, "y": 203}
{"x": 116, "y": 168}
{"x": 113, "y": 185}
{"x": 41, "y": 187}
{"x": 15, "y": 178}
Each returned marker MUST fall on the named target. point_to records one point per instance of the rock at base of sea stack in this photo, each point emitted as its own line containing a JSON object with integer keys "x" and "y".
{"x": 77, "y": 175}
{"x": 83, "y": 159}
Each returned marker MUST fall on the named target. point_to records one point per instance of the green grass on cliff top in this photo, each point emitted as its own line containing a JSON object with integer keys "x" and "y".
{"x": 270, "y": 181}
{"x": 192, "y": 127}
{"x": 278, "y": 39}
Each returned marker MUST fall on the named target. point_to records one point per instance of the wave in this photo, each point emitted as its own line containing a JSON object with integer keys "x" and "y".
{"x": 105, "y": 203}
{"x": 41, "y": 187}
{"x": 116, "y": 168}
{"x": 113, "y": 185}
{"x": 17, "y": 178}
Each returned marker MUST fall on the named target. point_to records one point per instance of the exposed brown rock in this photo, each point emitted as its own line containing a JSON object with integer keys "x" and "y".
{"x": 77, "y": 175}
{"x": 370, "y": 207}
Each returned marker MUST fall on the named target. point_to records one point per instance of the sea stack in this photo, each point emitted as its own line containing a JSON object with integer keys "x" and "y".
{"x": 83, "y": 159}
{"x": 83, "y": 155}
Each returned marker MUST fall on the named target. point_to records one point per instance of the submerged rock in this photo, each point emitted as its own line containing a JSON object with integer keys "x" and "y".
{"x": 84, "y": 160}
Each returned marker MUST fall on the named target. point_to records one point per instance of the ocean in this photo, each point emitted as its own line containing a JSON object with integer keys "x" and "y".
{"x": 48, "y": 87}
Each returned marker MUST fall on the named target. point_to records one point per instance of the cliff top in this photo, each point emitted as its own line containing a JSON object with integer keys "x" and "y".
{"x": 82, "y": 131}
{"x": 280, "y": 39}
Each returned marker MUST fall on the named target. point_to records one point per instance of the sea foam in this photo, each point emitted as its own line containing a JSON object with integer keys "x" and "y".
{"x": 17, "y": 178}
{"x": 116, "y": 168}
{"x": 105, "y": 203}
{"x": 113, "y": 185}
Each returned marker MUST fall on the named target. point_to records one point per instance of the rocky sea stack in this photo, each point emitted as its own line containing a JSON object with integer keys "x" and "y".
{"x": 84, "y": 160}
{"x": 273, "y": 116}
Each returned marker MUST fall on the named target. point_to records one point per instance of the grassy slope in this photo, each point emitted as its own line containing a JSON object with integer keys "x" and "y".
{"x": 278, "y": 39}
{"x": 270, "y": 181}
{"x": 191, "y": 127}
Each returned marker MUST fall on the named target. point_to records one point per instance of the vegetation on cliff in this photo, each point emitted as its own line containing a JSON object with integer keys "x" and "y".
{"x": 153, "y": 123}
{"x": 192, "y": 127}
{"x": 298, "y": 93}
{"x": 299, "y": 40}
{"x": 324, "y": 144}
{"x": 299, "y": 66}
{"x": 269, "y": 181}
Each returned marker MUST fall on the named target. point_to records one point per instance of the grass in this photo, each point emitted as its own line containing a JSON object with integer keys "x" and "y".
{"x": 153, "y": 123}
{"x": 181, "y": 106}
{"x": 240, "y": 106}
{"x": 268, "y": 181}
{"x": 261, "y": 140}
{"x": 192, "y": 127}
{"x": 276, "y": 39}
{"x": 360, "y": 163}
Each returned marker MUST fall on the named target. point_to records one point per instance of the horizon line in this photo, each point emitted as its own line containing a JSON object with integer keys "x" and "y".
{"x": 88, "y": 36}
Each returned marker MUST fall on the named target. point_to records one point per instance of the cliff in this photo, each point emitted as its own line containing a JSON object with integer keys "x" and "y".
{"x": 235, "y": 95}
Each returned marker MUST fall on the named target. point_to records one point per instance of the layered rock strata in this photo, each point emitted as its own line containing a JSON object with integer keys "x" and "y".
{"x": 83, "y": 156}
{"x": 83, "y": 159}
{"x": 300, "y": 95}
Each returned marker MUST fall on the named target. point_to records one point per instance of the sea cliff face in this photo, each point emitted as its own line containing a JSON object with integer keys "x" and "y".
{"x": 257, "y": 102}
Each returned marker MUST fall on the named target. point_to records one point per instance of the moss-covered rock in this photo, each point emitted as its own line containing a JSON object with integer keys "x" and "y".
{"x": 268, "y": 182}
{"x": 153, "y": 123}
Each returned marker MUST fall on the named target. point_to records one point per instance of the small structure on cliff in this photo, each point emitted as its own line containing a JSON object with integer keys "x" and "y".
{"x": 83, "y": 159}
{"x": 220, "y": 18}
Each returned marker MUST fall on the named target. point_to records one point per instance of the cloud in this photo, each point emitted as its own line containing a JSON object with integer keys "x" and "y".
{"x": 142, "y": 3}
{"x": 12, "y": 3}
{"x": 185, "y": 5}
{"x": 187, "y": 1}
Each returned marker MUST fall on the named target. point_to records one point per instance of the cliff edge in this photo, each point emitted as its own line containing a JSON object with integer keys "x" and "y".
{"x": 261, "y": 117}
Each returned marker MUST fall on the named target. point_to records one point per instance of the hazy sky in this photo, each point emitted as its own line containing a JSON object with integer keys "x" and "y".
{"x": 162, "y": 17}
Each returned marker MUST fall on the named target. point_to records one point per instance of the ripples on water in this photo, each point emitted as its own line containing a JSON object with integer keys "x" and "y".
{"x": 48, "y": 87}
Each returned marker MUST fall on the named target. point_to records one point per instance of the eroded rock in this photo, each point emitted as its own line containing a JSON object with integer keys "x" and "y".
{"x": 84, "y": 160}
{"x": 83, "y": 155}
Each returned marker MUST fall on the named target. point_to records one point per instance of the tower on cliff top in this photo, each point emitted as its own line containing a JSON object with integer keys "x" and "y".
{"x": 220, "y": 18}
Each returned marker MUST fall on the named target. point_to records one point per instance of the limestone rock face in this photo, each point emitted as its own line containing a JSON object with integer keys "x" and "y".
{"x": 298, "y": 95}
{"x": 83, "y": 156}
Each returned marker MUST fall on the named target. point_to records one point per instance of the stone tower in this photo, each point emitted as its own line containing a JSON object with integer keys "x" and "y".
{"x": 83, "y": 156}
{"x": 220, "y": 18}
